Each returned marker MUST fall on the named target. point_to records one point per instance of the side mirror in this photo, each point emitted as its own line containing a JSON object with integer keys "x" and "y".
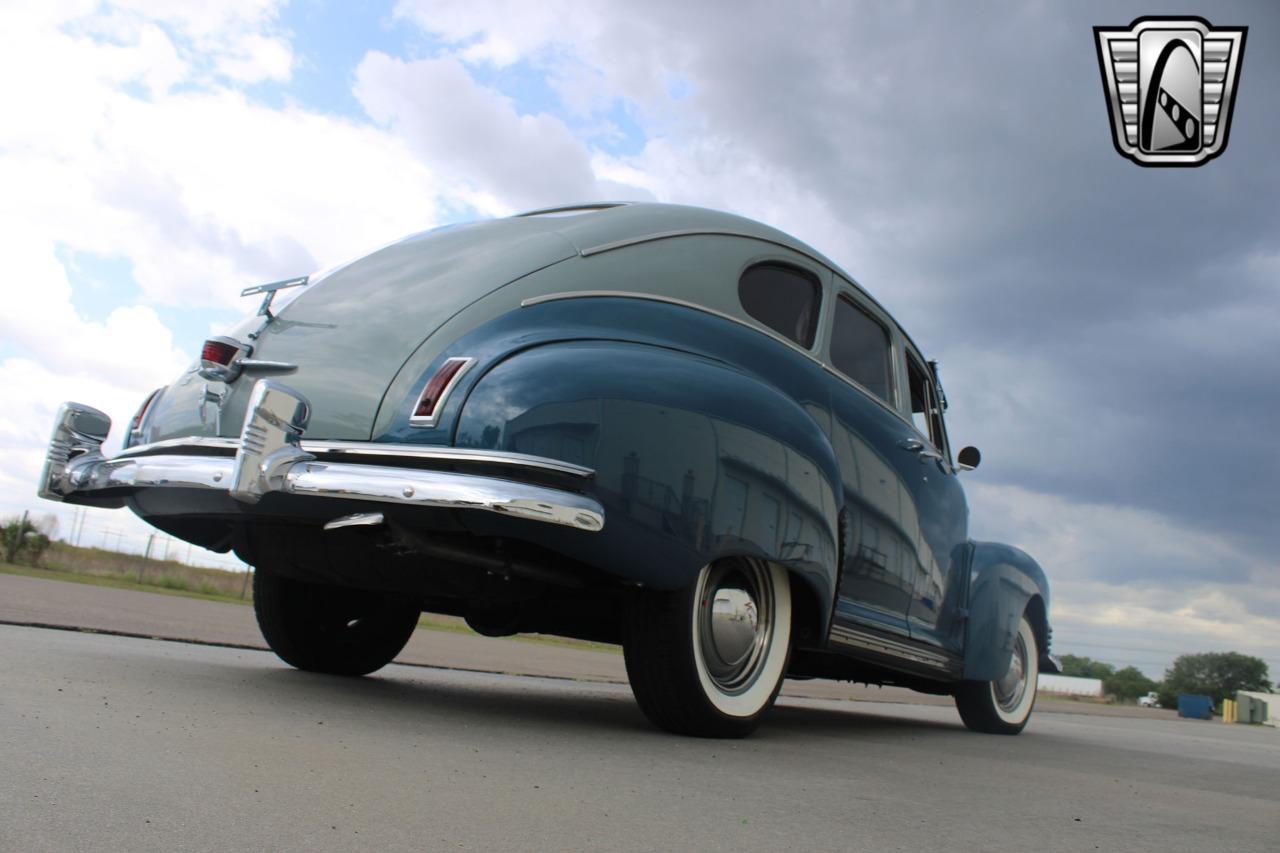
{"x": 968, "y": 459}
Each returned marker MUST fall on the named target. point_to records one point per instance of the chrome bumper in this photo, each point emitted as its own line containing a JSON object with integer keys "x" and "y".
{"x": 270, "y": 457}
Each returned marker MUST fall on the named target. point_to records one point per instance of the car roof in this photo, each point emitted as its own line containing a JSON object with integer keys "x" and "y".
{"x": 595, "y": 227}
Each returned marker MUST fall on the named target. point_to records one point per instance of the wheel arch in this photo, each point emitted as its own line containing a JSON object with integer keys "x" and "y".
{"x": 1005, "y": 583}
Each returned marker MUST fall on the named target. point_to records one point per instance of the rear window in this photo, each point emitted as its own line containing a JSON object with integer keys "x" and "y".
{"x": 783, "y": 298}
{"x": 860, "y": 349}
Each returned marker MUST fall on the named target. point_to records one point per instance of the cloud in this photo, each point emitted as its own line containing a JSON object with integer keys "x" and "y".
{"x": 473, "y": 133}
{"x": 136, "y": 141}
{"x": 1126, "y": 582}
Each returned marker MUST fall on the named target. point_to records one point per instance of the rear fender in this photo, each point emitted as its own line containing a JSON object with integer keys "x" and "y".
{"x": 695, "y": 460}
{"x": 1003, "y": 582}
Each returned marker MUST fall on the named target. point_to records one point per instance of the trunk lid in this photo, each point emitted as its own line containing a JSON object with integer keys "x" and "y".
{"x": 350, "y": 331}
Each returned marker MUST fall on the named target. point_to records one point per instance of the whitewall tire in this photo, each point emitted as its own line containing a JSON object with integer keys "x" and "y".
{"x": 708, "y": 660}
{"x": 1003, "y": 706}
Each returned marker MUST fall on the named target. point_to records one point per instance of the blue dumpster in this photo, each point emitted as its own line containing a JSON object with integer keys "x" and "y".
{"x": 1195, "y": 705}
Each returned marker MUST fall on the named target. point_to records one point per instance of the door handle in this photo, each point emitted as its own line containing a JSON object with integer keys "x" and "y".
{"x": 918, "y": 447}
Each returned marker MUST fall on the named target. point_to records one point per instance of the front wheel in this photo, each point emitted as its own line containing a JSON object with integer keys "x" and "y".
{"x": 708, "y": 660}
{"x": 331, "y": 629}
{"x": 1003, "y": 706}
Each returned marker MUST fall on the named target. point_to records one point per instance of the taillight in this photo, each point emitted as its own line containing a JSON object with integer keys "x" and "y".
{"x": 218, "y": 351}
{"x": 135, "y": 426}
{"x": 220, "y": 358}
{"x": 433, "y": 396}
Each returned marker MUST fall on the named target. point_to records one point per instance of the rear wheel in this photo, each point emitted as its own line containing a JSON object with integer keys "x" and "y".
{"x": 331, "y": 629}
{"x": 1003, "y": 706}
{"x": 708, "y": 660}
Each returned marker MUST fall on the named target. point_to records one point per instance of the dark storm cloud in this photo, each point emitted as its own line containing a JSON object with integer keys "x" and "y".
{"x": 974, "y": 152}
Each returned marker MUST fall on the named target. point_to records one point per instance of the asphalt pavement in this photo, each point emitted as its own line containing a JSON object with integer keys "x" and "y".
{"x": 49, "y": 603}
{"x": 119, "y": 743}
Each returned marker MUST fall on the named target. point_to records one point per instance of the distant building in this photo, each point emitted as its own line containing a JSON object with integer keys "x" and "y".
{"x": 1068, "y": 685}
{"x": 1253, "y": 707}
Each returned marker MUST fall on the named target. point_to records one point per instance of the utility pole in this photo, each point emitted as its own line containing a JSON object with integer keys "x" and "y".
{"x": 142, "y": 564}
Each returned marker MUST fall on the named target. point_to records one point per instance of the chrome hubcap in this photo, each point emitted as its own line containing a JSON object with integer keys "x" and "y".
{"x": 734, "y": 624}
{"x": 1009, "y": 690}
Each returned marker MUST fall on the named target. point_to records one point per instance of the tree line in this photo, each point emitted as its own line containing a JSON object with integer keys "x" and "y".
{"x": 1215, "y": 674}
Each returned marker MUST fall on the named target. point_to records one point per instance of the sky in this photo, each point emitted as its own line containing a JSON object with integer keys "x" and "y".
{"x": 1107, "y": 333}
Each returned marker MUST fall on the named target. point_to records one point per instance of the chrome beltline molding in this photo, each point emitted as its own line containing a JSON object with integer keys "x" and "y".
{"x": 270, "y": 459}
{"x": 371, "y": 449}
{"x": 764, "y": 330}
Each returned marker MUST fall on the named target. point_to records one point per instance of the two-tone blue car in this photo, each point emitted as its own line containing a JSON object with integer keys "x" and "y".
{"x": 661, "y": 426}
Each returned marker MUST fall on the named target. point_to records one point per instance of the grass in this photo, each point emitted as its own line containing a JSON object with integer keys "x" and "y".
{"x": 130, "y": 571}
{"x": 458, "y": 625}
{"x": 117, "y": 570}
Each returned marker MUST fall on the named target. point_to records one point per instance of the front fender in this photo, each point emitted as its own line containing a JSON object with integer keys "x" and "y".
{"x": 695, "y": 460}
{"x": 1003, "y": 581}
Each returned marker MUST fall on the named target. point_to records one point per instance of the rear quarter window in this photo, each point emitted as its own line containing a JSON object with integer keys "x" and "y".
{"x": 784, "y": 298}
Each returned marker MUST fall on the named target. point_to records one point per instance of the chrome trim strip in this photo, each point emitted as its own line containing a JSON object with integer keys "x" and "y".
{"x": 586, "y": 207}
{"x": 867, "y": 641}
{"x": 336, "y": 447}
{"x": 267, "y": 366}
{"x": 448, "y": 454}
{"x": 701, "y": 232}
{"x": 434, "y": 418}
{"x": 671, "y": 300}
{"x": 652, "y": 297}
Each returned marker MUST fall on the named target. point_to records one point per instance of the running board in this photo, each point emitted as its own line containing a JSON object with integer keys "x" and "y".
{"x": 884, "y": 647}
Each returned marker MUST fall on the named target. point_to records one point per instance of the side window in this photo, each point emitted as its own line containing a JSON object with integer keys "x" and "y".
{"x": 783, "y": 298}
{"x": 860, "y": 349}
{"x": 926, "y": 413}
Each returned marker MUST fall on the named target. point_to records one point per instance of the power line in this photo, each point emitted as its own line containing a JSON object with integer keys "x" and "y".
{"x": 1111, "y": 647}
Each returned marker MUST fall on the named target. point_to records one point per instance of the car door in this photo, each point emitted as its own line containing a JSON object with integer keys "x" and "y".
{"x": 935, "y": 616}
{"x": 880, "y": 522}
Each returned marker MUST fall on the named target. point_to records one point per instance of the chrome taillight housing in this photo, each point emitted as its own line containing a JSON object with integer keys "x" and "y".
{"x": 220, "y": 358}
{"x": 430, "y": 403}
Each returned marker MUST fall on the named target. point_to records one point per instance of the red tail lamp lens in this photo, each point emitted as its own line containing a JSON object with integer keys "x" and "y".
{"x": 437, "y": 387}
{"x": 219, "y": 352}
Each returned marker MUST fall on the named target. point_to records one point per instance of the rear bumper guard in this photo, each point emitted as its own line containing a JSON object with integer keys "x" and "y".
{"x": 270, "y": 457}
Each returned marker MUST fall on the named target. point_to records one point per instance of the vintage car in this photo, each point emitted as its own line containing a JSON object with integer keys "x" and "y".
{"x": 655, "y": 425}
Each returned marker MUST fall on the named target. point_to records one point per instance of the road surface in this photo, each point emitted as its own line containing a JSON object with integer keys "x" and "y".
{"x": 119, "y": 743}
